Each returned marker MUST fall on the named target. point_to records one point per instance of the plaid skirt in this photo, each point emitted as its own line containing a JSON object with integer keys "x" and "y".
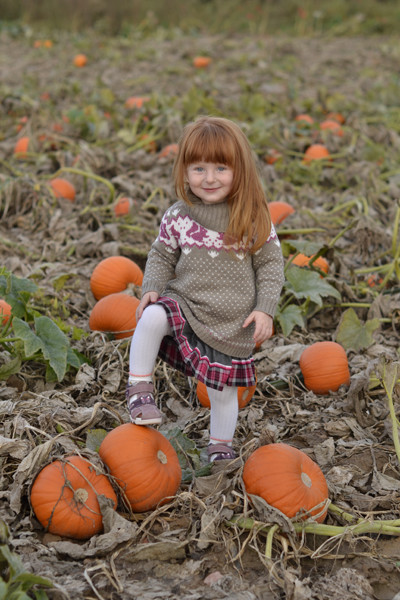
{"x": 184, "y": 351}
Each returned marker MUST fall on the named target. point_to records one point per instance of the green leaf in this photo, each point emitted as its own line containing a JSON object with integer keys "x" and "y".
{"x": 352, "y": 334}
{"x": 22, "y": 331}
{"x": 54, "y": 345}
{"x": 10, "y": 367}
{"x": 184, "y": 447}
{"x": 303, "y": 283}
{"x": 94, "y": 437}
{"x": 305, "y": 247}
{"x": 3, "y": 590}
{"x": 16, "y": 291}
{"x": 289, "y": 317}
{"x": 29, "y": 579}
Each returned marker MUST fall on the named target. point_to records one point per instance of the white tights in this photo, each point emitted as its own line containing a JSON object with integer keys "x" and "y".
{"x": 146, "y": 341}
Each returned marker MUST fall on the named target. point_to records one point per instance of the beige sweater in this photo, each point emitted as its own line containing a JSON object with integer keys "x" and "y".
{"x": 216, "y": 287}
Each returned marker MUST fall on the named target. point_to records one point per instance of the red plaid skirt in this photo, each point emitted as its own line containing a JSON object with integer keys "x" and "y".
{"x": 184, "y": 351}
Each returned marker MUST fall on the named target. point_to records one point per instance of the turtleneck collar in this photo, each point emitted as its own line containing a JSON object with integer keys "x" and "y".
{"x": 210, "y": 216}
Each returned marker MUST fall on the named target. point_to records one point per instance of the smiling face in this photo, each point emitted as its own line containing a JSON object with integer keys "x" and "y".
{"x": 211, "y": 182}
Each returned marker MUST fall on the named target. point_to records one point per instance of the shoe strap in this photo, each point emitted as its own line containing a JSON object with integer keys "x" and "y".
{"x": 143, "y": 387}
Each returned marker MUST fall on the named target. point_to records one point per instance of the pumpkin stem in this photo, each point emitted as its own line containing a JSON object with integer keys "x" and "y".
{"x": 81, "y": 495}
{"x": 306, "y": 479}
{"x": 161, "y": 457}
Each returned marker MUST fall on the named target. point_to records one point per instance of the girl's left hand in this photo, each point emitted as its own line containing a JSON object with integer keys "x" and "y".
{"x": 263, "y": 325}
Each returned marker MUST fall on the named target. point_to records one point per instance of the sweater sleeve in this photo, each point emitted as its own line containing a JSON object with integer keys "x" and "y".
{"x": 163, "y": 257}
{"x": 268, "y": 267}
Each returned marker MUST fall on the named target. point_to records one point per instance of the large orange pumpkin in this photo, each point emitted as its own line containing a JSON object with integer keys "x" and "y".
{"x": 325, "y": 367}
{"x": 114, "y": 274}
{"x": 287, "y": 479}
{"x": 64, "y": 497}
{"x": 245, "y": 394}
{"x": 116, "y": 314}
{"x": 144, "y": 463}
{"x": 279, "y": 210}
{"x": 301, "y": 260}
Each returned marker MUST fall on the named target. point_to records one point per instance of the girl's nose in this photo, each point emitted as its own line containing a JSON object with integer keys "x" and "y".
{"x": 210, "y": 175}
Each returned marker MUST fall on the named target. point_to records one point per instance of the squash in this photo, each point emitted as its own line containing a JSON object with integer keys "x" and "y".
{"x": 123, "y": 206}
{"x": 63, "y": 189}
{"x": 115, "y": 314}
{"x": 136, "y": 101}
{"x": 325, "y": 367}
{"x": 143, "y": 463}
{"x": 21, "y": 147}
{"x": 316, "y": 152}
{"x": 5, "y": 312}
{"x": 304, "y": 118}
{"x": 279, "y": 211}
{"x": 169, "y": 151}
{"x": 287, "y": 479}
{"x": 245, "y": 394}
{"x": 201, "y": 62}
{"x": 114, "y": 274}
{"x": 301, "y": 260}
{"x": 64, "y": 497}
{"x": 80, "y": 60}
{"x": 331, "y": 125}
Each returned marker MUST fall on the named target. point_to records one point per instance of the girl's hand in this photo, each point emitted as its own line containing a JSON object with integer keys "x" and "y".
{"x": 263, "y": 325}
{"x": 148, "y": 298}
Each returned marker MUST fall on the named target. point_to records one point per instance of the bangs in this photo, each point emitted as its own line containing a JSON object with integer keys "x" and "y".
{"x": 210, "y": 144}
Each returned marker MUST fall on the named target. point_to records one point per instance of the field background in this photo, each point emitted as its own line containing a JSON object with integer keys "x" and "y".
{"x": 62, "y": 385}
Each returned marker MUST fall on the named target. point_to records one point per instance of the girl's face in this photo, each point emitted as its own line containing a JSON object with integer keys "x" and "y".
{"x": 211, "y": 182}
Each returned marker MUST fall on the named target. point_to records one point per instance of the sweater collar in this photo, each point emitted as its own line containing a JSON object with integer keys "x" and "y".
{"x": 210, "y": 216}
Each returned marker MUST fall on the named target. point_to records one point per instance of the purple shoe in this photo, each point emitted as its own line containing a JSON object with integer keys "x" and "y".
{"x": 141, "y": 404}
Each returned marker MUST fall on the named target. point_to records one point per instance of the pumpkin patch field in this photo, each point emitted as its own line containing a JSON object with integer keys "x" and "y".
{"x": 92, "y": 508}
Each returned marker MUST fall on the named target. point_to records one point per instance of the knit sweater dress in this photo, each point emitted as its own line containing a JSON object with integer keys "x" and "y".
{"x": 208, "y": 289}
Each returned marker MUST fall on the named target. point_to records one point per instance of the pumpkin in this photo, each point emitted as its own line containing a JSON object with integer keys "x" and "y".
{"x": 245, "y": 394}
{"x": 336, "y": 116}
{"x": 287, "y": 479}
{"x": 279, "y": 210}
{"x": 301, "y": 260}
{"x": 80, "y": 60}
{"x": 21, "y": 147}
{"x": 136, "y": 101}
{"x": 144, "y": 463}
{"x": 64, "y": 497}
{"x": 325, "y": 367}
{"x": 304, "y": 119}
{"x": 122, "y": 207}
{"x": 272, "y": 156}
{"x": 63, "y": 189}
{"x": 316, "y": 152}
{"x": 115, "y": 314}
{"x": 170, "y": 150}
{"x": 5, "y": 312}
{"x": 331, "y": 125}
{"x": 114, "y": 274}
{"x": 201, "y": 62}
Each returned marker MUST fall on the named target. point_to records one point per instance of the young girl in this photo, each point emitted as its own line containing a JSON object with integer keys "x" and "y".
{"x": 212, "y": 279}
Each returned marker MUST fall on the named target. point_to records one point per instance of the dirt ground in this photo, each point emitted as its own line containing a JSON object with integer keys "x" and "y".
{"x": 189, "y": 548}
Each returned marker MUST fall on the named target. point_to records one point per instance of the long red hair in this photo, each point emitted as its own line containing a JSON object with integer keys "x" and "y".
{"x": 219, "y": 140}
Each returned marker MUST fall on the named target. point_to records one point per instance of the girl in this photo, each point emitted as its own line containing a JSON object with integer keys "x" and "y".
{"x": 212, "y": 279}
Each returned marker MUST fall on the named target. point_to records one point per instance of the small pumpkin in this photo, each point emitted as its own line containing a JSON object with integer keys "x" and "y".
{"x": 114, "y": 274}
{"x": 304, "y": 118}
{"x": 272, "y": 156}
{"x": 63, "y": 189}
{"x": 245, "y": 394}
{"x": 21, "y": 147}
{"x": 5, "y": 312}
{"x": 170, "y": 150}
{"x": 144, "y": 463}
{"x": 202, "y": 62}
{"x": 301, "y": 260}
{"x": 64, "y": 497}
{"x": 325, "y": 367}
{"x": 123, "y": 206}
{"x": 136, "y": 101}
{"x": 115, "y": 314}
{"x": 279, "y": 211}
{"x": 80, "y": 60}
{"x": 316, "y": 152}
{"x": 287, "y": 479}
{"x": 331, "y": 125}
{"x": 336, "y": 116}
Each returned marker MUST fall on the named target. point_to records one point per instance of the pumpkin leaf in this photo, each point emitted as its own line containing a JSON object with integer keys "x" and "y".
{"x": 94, "y": 437}
{"x": 16, "y": 291}
{"x": 32, "y": 343}
{"x": 184, "y": 447}
{"x": 352, "y": 334}
{"x": 306, "y": 284}
{"x": 10, "y": 367}
{"x": 289, "y": 317}
{"x": 305, "y": 247}
{"x": 54, "y": 345}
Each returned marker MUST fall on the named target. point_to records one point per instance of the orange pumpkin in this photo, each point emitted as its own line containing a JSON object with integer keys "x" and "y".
{"x": 287, "y": 479}
{"x": 201, "y": 62}
{"x": 331, "y": 125}
{"x": 303, "y": 118}
{"x": 136, "y": 101}
{"x": 272, "y": 156}
{"x": 316, "y": 152}
{"x": 169, "y": 151}
{"x": 122, "y": 207}
{"x": 301, "y": 260}
{"x": 5, "y": 312}
{"x": 245, "y": 394}
{"x": 21, "y": 147}
{"x": 80, "y": 60}
{"x": 144, "y": 463}
{"x": 115, "y": 314}
{"x": 63, "y": 189}
{"x": 325, "y": 367}
{"x": 279, "y": 211}
{"x": 336, "y": 116}
{"x": 64, "y": 497}
{"x": 114, "y": 274}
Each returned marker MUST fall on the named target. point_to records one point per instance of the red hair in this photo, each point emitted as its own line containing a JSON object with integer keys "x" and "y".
{"x": 219, "y": 140}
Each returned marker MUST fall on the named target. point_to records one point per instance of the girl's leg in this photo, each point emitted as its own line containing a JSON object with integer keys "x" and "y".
{"x": 223, "y": 418}
{"x": 150, "y": 330}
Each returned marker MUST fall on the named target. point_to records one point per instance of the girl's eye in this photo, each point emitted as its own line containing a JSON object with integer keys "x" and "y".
{"x": 222, "y": 168}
